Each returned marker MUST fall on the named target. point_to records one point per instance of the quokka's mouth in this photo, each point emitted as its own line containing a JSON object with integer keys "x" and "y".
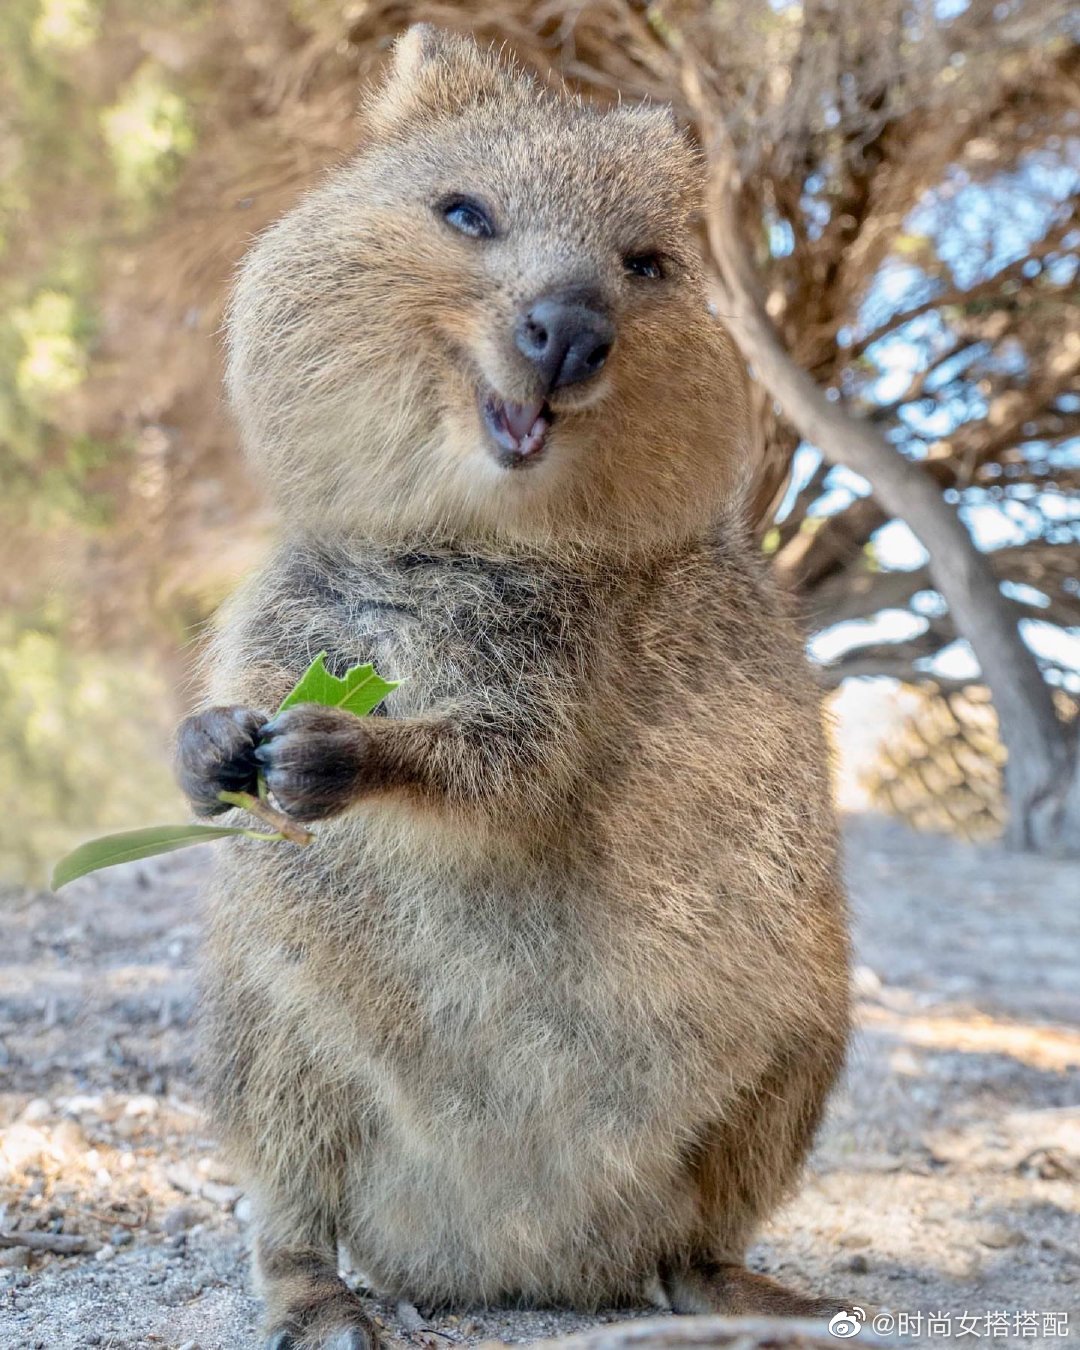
{"x": 517, "y": 431}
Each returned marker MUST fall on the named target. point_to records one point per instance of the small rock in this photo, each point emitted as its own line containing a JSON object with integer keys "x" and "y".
{"x": 91, "y": 1338}
{"x": 38, "y": 1109}
{"x": 14, "y": 1258}
{"x": 21, "y": 1144}
{"x": 946, "y": 1147}
{"x": 68, "y": 1141}
{"x": 215, "y": 1170}
{"x": 184, "y": 1179}
{"x": 106, "y": 1253}
{"x": 142, "y": 1105}
{"x": 120, "y": 1237}
{"x": 190, "y": 1345}
{"x": 409, "y": 1316}
{"x": 219, "y": 1194}
{"x": 82, "y": 1104}
{"x": 858, "y": 1265}
{"x": 242, "y": 1210}
{"x": 1050, "y": 1164}
{"x": 178, "y": 1219}
{"x": 997, "y": 1235}
{"x": 855, "y": 1240}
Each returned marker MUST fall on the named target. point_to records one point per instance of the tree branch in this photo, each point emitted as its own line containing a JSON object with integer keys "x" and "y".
{"x": 989, "y": 288}
{"x": 1029, "y": 726}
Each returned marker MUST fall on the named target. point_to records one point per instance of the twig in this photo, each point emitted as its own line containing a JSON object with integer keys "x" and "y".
{"x": 138, "y": 1222}
{"x": 277, "y": 820}
{"x": 62, "y": 1244}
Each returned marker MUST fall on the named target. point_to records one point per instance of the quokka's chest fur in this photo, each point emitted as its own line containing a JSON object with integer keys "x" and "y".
{"x": 449, "y": 625}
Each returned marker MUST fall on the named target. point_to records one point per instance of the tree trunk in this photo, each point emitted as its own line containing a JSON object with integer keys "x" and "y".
{"x": 1044, "y": 799}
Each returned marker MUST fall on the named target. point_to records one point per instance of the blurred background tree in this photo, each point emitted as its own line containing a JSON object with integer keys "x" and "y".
{"x": 893, "y": 228}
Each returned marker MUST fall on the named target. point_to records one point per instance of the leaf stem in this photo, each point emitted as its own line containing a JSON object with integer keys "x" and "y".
{"x": 284, "y": 827}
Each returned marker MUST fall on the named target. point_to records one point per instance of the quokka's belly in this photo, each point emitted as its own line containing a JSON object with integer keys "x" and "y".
{"x": 528, "y": 1134}
{"x": 472, "y": 1202}
{"x": 529, "y": 1104}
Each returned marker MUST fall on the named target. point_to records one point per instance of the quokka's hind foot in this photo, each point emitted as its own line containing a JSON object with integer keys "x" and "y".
{"x": 310, "y": 1307}
{"x": 716, "y": 1287}
{"x": 341, "y": 1338}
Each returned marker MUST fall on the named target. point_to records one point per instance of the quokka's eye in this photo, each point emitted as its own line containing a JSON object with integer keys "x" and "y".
{"x": 467, "y": 217}
{"x": 647, "y": 265}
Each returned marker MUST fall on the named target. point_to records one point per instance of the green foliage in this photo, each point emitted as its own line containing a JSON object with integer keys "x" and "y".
{"x": 66, "y": 25}
{"x": 359, "y": 692}
{"x": 131, "y": 845}
{"x": 53, "y": 359}
{"x": 46, "y": 474}
{"x": 113, "y": 151}
{"x": 149, "y": 133}
{"x": 48, "y": 112}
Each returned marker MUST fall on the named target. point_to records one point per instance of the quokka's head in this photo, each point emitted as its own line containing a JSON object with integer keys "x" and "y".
{"x": 491, "y": 323}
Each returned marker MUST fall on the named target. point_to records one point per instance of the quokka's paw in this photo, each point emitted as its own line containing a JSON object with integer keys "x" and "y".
{"x": 309, "y": 1305}
{"x": 215, "y": 752}
{"x": 359, "y": 1335}
{"x": 316, "y": 760}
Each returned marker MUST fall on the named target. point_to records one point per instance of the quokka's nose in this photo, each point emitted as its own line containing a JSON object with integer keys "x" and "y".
{"x": 566, "y": 339}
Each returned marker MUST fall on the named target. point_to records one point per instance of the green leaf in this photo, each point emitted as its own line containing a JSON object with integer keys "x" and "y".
{"x": 359, "y": 692}
{"x": 111, "y": 849}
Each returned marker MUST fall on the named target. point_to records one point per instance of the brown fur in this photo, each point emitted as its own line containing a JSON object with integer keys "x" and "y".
{"x": 550, "y": 1009}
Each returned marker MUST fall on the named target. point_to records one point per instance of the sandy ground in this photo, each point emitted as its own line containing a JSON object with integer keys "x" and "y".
{"x": 944, "y": 1185}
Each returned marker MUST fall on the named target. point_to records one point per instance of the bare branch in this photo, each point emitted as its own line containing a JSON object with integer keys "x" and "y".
{"x": 1029, "y": 724}
{"x": 990, "y": 288}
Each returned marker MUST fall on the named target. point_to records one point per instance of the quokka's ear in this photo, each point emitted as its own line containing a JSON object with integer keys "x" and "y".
{"x": 432, "y": 73}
